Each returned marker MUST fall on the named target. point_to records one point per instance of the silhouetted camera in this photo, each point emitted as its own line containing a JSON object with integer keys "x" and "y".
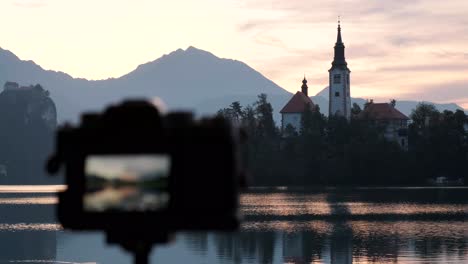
{"x": 132, "y": 169}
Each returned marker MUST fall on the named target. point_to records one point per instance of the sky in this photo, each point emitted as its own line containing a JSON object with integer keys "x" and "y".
{"x": 398, "y": 49}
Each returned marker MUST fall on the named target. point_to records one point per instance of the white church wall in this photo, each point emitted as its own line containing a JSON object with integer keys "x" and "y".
{"x": 348, "y": 94}
{"x": 340, "y": 97}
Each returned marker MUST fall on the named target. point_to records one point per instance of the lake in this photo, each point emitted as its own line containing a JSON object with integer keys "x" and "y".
{"x": 361, "y": 225}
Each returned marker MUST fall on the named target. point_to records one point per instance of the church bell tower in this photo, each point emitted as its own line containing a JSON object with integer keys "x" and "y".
{"x": 339, "y": 82}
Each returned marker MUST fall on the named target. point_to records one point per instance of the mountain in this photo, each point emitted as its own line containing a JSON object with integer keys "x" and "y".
{"x": 185, "y": 79}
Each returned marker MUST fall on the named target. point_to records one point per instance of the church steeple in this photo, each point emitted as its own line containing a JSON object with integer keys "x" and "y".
{"x": 339, "y": 58}
{"x": 339, "y": 81}
{"x": 304, "y": 86}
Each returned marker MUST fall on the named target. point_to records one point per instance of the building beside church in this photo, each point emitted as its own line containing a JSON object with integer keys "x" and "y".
{"x": 393, "y": 122}
{"x": 339, "y": 82}
{"x": 291, "y": 114}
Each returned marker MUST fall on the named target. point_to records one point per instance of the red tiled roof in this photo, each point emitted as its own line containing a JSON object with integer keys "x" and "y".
{"x": 382, "y": 111}
{"x": 298, "y": 104}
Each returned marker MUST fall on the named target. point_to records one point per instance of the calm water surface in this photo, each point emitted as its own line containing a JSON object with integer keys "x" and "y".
{"x": 368, "y": 225}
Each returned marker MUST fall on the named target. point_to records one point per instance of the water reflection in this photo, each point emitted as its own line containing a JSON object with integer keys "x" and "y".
{"x": 361, "y": 204}
{"x": 31, "y": 188}
{"x": 24, "y": 244}
{"x": 30, "y": 227}
{"x": 341, "y": 234}
{"x": 281, "y": 226}
{"x": 245, "y": 247}
{"x": 29, "y": 200}
{"x": 287, "y": 227}
{"x": 351, "y": 242}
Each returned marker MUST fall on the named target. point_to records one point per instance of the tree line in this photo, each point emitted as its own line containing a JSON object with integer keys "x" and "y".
{"x": 334, "y": 151}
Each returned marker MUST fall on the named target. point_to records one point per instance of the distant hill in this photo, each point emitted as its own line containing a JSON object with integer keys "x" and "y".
{"x": 405, "y": 106}
{"x": 189, "y": 79}
{"x": 183, "y": 78}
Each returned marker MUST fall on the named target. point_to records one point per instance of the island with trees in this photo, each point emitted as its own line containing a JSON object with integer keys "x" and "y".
{"x": 333, "y": 151}
{"x": 28, "y": 120}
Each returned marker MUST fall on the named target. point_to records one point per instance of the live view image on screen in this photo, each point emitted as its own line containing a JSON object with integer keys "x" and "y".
{"x": 126, "y": 183}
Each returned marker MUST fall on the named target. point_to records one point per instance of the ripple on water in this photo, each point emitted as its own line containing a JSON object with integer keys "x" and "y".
{"x": 48, "y": 261}
{"x": 29, "y": 200}
{"x": 32, "y": 188}
{"x": 30, "y": 227}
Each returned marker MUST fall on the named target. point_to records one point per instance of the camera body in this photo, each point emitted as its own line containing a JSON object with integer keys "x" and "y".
{"x": 131, "y": 168}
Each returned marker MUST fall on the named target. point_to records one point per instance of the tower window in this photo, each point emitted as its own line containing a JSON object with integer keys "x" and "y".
{"x": 347, "y": 78}
{"x": 337, "y": 94}
{"x": 337, "y": 78}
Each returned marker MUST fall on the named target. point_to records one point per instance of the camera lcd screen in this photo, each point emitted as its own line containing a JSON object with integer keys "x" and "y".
{"x": 126, "y": 183}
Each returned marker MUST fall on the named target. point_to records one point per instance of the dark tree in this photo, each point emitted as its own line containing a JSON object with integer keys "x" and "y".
{"x": 423, "y": 115}
{"x": 336, "y": 151}
{"x": 355, "y": 110}
{"x": 264, "y": 115}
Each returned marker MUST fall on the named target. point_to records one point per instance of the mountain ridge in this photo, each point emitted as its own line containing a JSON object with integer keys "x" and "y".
{"x": 405, "y": 106}
{"x": 192, "y": 79}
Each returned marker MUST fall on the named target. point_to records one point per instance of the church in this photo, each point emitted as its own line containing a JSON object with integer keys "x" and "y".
{"x": 393, "y": 122}
{"x": 339, "y": 89}
{"x": 339, "y": 82}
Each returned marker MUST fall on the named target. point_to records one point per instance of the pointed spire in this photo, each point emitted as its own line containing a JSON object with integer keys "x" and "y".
{"x": 339, "y": 59}
{"x": 338, "y": 38}
{"x": 304, "y": 87}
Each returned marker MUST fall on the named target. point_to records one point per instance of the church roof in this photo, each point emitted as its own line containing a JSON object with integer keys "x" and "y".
{"x": 382, "y": 111}
{"x": 298, "y": 104}
{"x": 339, "y": 60}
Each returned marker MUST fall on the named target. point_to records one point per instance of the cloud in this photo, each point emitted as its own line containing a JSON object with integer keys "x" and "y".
{"x": 453, "y": 91}
{"x": 254, "y": 24}
{"x": 451, "y": 54}
{"x": 426, "y": 67}
{"x": 30, "y": 3}
{"x": 265, "y": 39}
{"x": 395, "y": 48}
{"x": 366, "y": 50}
{"x": 407, "y": 40}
